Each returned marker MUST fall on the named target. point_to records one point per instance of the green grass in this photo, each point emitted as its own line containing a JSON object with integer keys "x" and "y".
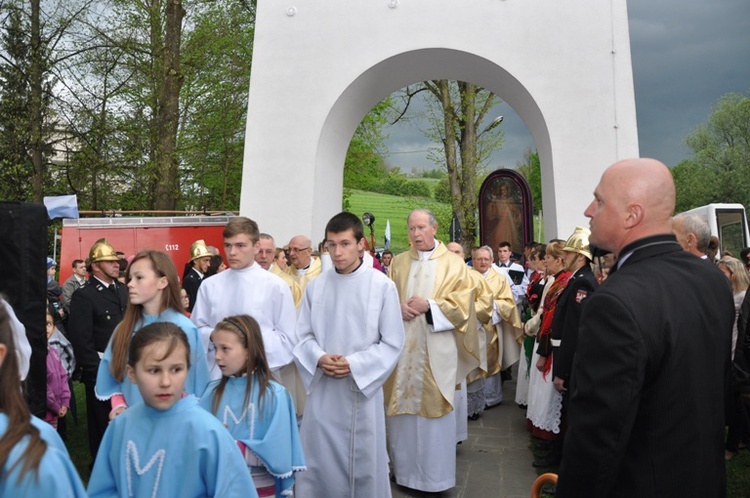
{"x": 394, "y": 208}
{"x": 78, "y": 438}
{"x": 738, "y": 475}
{"x": 388, "y": 207}
{"x": 431, "y": 182}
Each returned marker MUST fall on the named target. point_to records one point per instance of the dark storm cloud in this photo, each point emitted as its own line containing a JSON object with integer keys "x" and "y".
{"x": 686, "y": 54}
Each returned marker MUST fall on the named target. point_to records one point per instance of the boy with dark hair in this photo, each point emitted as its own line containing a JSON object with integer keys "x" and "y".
{"x": 350, "y": 338}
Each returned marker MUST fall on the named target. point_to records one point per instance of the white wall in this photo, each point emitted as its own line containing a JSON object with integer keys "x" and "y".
{"x": 563, "y": 66}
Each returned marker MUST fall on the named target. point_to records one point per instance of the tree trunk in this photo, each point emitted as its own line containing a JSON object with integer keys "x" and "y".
{"x": 169, "y": 109}
{"x": 35, "y": 83}
{"x": 468, "y": 150}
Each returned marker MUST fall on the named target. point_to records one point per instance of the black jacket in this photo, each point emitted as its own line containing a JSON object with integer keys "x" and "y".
{"x": 567, "y": 319}
{"x": 95, "y": 311}
{"x": 191, "y": 283}
{"x": 647, "y": 398}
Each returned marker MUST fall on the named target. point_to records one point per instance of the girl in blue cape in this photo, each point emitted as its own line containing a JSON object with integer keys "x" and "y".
{"x": 167, "y": 446}
{"x": 154, "y": 296}
{"x": 258, "y": 412}
{"x": 33, "y": 458}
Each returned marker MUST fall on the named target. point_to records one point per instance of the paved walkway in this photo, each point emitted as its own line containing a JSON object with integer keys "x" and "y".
{"x": 495, "y": 462}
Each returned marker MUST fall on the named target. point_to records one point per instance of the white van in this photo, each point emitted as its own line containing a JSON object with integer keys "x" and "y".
{"x": 729, "y": 223}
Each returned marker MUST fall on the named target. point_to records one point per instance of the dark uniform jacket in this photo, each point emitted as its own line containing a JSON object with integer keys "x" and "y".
{"x": 95, "y": 311}
{"x": 647, "y": 398}
{"x": 191, "y": 283}
{"x": 567, "y": 319}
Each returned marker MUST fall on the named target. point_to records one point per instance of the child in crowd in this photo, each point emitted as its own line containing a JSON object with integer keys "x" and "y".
{"x": 33, "y": 458}
{"x": 58, "y": 391}
{"x": 154, "y": 297}
{"x": 166, "y": 446}
{"x": 185, "y": 301}
{"x": 56, "y": 340}
{"x": 61, "y": 344}
{"x": 258, "y": 412}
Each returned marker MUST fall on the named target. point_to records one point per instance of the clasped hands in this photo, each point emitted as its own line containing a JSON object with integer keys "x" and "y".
{"x": 334, "y": 365}
{"x": 415, "y": 306}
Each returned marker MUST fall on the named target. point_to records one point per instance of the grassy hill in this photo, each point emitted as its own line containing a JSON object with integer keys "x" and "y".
{"x": 390, "y": 207}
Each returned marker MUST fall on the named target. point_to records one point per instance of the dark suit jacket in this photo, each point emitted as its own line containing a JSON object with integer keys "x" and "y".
{"x": 95, "y": 311}
{"x": 567, "y": 320}
{"x": 647, "y": 403}
{"x": 191, "y": 283}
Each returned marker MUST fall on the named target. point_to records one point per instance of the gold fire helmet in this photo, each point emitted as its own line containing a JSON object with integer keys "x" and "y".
{"x": 102, "y": 251}
{"x": 579, "y": 242}
{"x": 199, "y": 250}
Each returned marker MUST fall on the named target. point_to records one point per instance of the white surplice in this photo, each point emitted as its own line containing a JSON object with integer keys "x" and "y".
{"x": 357, "y": 315}
{"x": 250, "y": 291}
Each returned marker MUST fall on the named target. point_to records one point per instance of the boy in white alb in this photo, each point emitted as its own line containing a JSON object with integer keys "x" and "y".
{"x": 350, "y": 338}
{"x": 247, "y": 289}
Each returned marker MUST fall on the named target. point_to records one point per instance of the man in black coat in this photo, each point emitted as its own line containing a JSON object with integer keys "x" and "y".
{"x": 647, "y": 398}
{"x": 95, "y": 310}
{"x": 200, "y": 260}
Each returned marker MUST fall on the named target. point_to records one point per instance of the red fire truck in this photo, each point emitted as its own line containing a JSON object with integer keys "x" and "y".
{"x": 172, "y": 235}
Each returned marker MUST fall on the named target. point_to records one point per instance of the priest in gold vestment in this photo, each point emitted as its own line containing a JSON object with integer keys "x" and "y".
{"x": 305, "y": 266}
{"x": 505, "y": 329}
{"x": 440, "y": 349}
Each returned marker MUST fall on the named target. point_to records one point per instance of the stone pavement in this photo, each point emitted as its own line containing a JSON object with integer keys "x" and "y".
{"x": 495, "y": 462}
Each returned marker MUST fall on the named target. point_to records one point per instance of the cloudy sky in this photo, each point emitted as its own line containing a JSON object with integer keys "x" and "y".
{"x": 685, "y": 54}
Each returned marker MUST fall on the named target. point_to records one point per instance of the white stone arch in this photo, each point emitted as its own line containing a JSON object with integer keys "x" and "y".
{"x": 314, "y": 79}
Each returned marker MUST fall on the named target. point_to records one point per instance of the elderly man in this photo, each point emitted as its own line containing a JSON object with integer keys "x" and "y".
{"x": 469, "y": 399}
{"x": 503, "y": 333}
{"x": 265, "y": 258}
{"x": 647, "y": 389}
{"x": 437, "y": 299}
{"x": 305, "y": 266}
{"x": 693, "y": 234}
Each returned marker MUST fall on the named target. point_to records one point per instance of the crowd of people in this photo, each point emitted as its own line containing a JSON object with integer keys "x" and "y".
{"x": 282, "y": 371}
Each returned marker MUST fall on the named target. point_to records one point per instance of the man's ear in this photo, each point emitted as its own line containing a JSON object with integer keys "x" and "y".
{"x": 634, "y": 215}
{"x": 692, "y": 240}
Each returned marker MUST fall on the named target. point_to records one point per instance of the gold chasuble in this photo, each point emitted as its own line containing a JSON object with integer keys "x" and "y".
{"x": 433, "y": 363}
{"x": 503, "y": 339}
{"x": 293, "y": 285}
{"x": 312, "y": 271}
{"x": 483, "y": 306}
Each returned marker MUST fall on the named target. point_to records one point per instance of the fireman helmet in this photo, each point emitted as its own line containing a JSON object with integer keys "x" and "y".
{"x": 579, "y": 242}
{"x": 102, "y": 251}
{"x": 199, "y": 250}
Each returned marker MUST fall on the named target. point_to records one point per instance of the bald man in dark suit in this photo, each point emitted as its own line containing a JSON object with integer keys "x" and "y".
{"x": 648, "y": 380}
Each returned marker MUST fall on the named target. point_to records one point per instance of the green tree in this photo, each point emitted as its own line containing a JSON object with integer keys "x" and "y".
{"x": 216, "y": 64}
{"x": 693, "y": 185}
{"x": 364, "y": 166}
{"x": 720, "y": 156}
{"x": 531, "y": 169}
{"x": 16, "y": 169}
{"x": 35, "y": 44}
{"x": 456, "y": 115}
